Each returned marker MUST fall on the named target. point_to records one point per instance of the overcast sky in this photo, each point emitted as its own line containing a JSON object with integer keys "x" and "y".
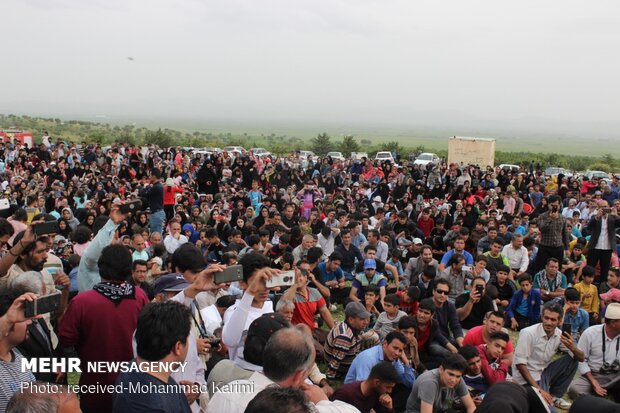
{"x": 313, "y": 59}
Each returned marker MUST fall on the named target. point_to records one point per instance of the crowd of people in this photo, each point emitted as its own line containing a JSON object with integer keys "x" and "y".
{"x": 361, "y": 286}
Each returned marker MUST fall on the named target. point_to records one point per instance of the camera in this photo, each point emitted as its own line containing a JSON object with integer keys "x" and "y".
{"x": 215, "y": 343}
{"x": 607, "y": 368}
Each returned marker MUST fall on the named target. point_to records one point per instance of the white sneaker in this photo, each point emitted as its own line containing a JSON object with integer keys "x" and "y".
{"x": 561, "y": 403}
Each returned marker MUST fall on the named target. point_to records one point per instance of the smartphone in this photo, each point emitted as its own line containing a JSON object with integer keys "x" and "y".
{"x": 215, "y": 343}
{"x": 607, "y": 210}
{"x": 567, "y": 328}
{"x": 42, "y": 305}
{"x": 131, "y": 206}
{"x": 284, "y": 279}
{"x": 480, "y": 289}
{"x": 50, "y": 227}
{"x": 230, "y": 274}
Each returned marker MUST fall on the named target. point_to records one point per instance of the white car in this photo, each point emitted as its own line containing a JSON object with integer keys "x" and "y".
{"x": 305, "y": 154}
{"x": 336, "y": 155}
{"x": 426, "y": 158}
{"x": 384, "y": 156}
{"x": 260, "y": 152}
{"x": 555, "y": 171}
{"x": 235, "y": 149}
{"x": 597, "y": 175}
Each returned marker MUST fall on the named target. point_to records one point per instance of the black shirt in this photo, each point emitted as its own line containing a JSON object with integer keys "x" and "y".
{"x": 480, "y": 308}
{"x": 154, "y": 196}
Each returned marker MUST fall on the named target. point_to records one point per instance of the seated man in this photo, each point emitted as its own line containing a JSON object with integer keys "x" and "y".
{"x": 477, "y": 384}
{"x": 370, "y": 276}
{"x": 391, "y": 350}
{"x": 533, "y": 361}
{"x": 344, "y": 341}
{"x": 435, "y": 390}
{"x": 447, "y": 318}
{"x": 600, "y": 373}
{"x": 456, "y": 276}
{"x": 472, "y": 306}
{"x": 494, "y": 369}
{"x": 524, "y": 308}
{"x": 428, "y": 333}
{"x": 493, "y": 322}
{"x": 373, "y": 393}
{"x": 550, "y": 281}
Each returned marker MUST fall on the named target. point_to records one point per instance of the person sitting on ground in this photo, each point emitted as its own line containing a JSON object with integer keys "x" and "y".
{"x": 435, "y": 390}
{"x": 388, "y": 319}
{"x": 600, "y": 372}
{"x": 524, "y": 308}
{"x": 493, "y": 323}
{"x": 589, "y": 294}
{"x": 550, "y": 281}
{"x": 409, "y": 300}
{"x": 373, "y": 393}
{"x": 533, "y": 361}
{"x": 447, "y": 318}
{"x": 473, "y": 305}
{"x": 574, "y": 315}
{"x": 370, "y": 276}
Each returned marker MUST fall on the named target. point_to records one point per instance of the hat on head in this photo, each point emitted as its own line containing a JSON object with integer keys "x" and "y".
{"x": 611, "y": 295}
{"x": 612, "y": 312}
{"x": 170, "y": 282}
{"x": 370, "y": 263}
{"x": 417, "y": 241}
{"x": 355, "y": 309}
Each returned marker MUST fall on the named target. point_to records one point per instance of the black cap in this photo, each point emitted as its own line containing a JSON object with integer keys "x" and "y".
{"x": 258, "y": 334}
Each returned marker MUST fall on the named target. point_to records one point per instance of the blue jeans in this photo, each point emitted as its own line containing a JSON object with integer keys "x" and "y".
{"x": 156, "y": 222}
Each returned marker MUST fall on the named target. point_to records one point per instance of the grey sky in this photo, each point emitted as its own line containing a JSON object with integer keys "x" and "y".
{"x": 314, "y": 59}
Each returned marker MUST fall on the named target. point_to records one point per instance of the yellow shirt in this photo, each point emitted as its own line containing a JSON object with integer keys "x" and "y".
{"x": 589, "y": 297}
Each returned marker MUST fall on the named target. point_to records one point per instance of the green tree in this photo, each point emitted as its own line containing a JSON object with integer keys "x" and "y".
{"x": 348, "y": 145}
{"x": 97, "y": 137}
{"x": 321, "y": 144}
{"x": 159, "y": 138}
{"x": 393, "y": 147}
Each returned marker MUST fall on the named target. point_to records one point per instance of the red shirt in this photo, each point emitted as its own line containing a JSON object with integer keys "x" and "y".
{"x": 411, "y": 308}
{"x": 169, "y": 194}
{"x": 423, "y": 336}
{"x": 307, "y": 307}
{"x": 100, "y": 331}
{"x": 475, "y": 338}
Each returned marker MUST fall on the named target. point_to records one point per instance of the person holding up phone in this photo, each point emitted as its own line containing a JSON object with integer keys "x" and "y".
{"x": 13, "y": 331}
{"x": 472, "y": 306}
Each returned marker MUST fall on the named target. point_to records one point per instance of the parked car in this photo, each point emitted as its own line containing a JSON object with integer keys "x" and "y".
{"x": 426, "y": 158}
{"x": 336, "y": 155}
{"x": 555, "y": 171}
{"x": 384, "y": 156}
{"x": 509, "y": 167}
{"x": 235, "y": 149}
{"x": 260, "y": 152}
{"x": 359, "y": 155}
{"x": 303, "y": 155}
{"x": 598, "y": 175}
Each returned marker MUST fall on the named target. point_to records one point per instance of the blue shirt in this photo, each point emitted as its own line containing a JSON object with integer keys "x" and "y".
{"x": 469, "y": 259}
{"x": 367, "y": 359}
{"x": 330, "y": 276}
{"x": 579, "y": 322}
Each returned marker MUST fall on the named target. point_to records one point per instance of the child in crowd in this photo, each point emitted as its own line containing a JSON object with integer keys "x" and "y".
{"x": 524, "y": 308}
{"x": 395, "y": 257}
{"x": 409, "y": 300}
{"x": 505, "y": 287}
{"x": 574, "y": 315}
{"x": 573, "y": 264}
{"x": 388, "y": 319}
{"x": 407, "y": 326}
{"x": 589, "y": 294}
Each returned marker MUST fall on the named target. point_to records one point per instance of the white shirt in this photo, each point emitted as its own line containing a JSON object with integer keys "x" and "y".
{"x": 237, "y": 394}
{"x": 518, "y": 257}
{"x": 591, "y": 344}
{"x": 212, "y": 318}
{"x": 535, "y": 350}
{"x": 237, "y": 320}
{"x": 172, "y": 243}
{"x": 603, "y": 239}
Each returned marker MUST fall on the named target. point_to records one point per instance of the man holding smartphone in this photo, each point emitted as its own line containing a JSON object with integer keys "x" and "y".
{"x": 554, "y": 235}
{"x": 602, "y": 228}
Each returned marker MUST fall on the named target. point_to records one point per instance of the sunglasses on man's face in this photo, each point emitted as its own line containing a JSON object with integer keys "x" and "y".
{"x": 442, "y": 292}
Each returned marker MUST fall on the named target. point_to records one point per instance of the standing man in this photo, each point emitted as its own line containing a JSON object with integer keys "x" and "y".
{"x": 602, "y": 228}
{"x": 554, "y": 235}
{"x": 154, "y": 193}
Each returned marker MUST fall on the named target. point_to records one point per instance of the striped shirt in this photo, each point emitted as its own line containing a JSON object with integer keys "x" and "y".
{"x": 342, "y": 345}
{"x": 12, "y": 377}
